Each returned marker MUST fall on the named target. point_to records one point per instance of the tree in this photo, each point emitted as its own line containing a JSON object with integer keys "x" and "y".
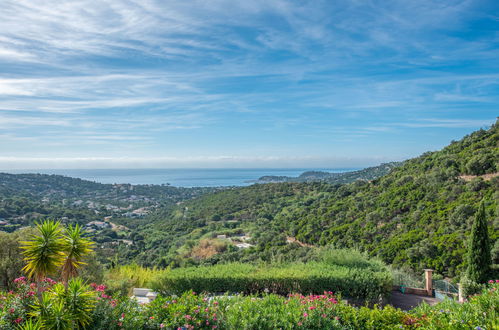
{"x": 11, "y": 262}
{"x": 53, "y": 249}
{"x": 44, "y": 253}
{"x": 75, "y": 247}
{"x": 479, "y": 259}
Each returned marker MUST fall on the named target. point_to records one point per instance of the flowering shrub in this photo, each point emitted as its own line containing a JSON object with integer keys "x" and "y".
{"x": 267, "y": 311}
{"x": 15, "y": 305}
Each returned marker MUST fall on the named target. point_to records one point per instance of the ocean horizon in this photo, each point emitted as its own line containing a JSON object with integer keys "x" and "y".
{"x": 192, "y": 177}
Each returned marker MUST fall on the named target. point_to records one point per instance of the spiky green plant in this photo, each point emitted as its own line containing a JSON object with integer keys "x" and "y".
{"x": 80, "y": 301}
{"x": 44, "y": 252}
{"x": 76, "y": 247}
{"x": 31, "y": 324}
{"x": 66, "y": 308}
{"x": 50, "y": 309}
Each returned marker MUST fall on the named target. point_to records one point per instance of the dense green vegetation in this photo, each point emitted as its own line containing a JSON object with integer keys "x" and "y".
{"x": 417, "y": 216}
{"x": 25, "y": 198}
{"x": 72, "y": 304}
{"x": 358, "y": 278}
{"x": 369, "y": 173}
{"x": 78, "y": 306}
{"x": 479, "y": 249}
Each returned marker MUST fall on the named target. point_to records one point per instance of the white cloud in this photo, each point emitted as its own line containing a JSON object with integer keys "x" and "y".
{"x": 187, "y": 162}
{"x": 105, "y": 71}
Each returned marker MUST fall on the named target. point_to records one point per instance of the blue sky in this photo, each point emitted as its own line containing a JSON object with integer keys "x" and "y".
{"x": 260, "y": 83}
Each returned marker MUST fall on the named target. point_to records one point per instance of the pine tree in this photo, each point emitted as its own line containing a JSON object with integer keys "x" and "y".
{"x": 479, "y": 259}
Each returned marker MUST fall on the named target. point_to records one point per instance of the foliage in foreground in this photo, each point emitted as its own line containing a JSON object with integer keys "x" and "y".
{"x": 98, "y": 310}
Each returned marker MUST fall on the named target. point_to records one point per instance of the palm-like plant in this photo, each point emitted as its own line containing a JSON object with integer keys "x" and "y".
{"x": 80, "y": 301}
{"x": 44, "y": 253}
{"x": 76, "y": 247}
{"x": 32, "y": 324}
{"x": 50, "y": 309}
{"x": 66, "y": 308}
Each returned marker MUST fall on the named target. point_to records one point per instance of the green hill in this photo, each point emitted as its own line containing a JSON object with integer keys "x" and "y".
{"x": 417, "y": 216}
{"x": 369, "y": 173}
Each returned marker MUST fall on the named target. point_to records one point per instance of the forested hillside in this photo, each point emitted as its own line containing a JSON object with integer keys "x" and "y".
{"x": 417, "y": 216}
{"x": 29, "y": 196}
{"x": 368, "y": 173}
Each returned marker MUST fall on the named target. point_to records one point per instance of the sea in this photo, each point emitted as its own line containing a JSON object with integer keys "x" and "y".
{"x": 180, "y": 177}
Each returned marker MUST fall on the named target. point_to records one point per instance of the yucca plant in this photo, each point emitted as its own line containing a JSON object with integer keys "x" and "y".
{"x": 44, "y": 253}
{"x": 80, "y": 301}
{"x": 75, "y": 247}
{"x": 31, "y": 324}
{"x": 66, "y": 308}
{"x": 51, "y": 311}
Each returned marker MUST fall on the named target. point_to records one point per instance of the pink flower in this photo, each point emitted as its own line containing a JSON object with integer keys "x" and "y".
{"x": 20, "y": 279}
{"x": 12, "y": 310}
{"x": 491, "y": 281}
{"x": 161, "y": 325}
{"x": 101, "y": 288}
{"x": 188, "y": 317}
{"x": 120, "y": 324}
{"x": 497, "y": 281}
{"x": 215, "y": 303}
{"x": 122, "y": 315}
{"x": 312, "y": 308}
{"x": 18, "y": 320}
{"x": 151, "y": 318}
{"x": 31, "y": 293}
{"x": 300, "y": 324}
{"x": 305, "y": 314}
{"x": 324, "y": 315}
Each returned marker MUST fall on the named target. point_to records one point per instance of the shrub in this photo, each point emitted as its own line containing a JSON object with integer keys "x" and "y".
{"x": 267, "y": 311}
{"x": 312, "y": 277}
{"x": 123, "y": 279}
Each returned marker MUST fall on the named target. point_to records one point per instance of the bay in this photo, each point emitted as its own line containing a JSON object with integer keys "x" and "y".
{"x": 201, "y": 177}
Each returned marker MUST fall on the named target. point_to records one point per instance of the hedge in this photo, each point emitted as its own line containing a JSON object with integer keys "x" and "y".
{"x": 305, "y": 278}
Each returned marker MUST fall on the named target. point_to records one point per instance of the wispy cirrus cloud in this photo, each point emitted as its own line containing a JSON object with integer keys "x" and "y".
{"x": 260, "y": 76}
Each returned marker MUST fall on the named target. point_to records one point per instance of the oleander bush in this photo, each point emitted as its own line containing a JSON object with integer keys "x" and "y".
{"x": 314, "y": 277}
{"x": 267, "y": 311}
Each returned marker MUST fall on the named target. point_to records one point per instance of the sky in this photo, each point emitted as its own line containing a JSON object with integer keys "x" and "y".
{"x": 224, "y": 83}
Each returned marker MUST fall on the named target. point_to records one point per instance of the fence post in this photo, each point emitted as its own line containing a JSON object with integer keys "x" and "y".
{"x": 460, "y": 295}
{"x": 428, "y": 282}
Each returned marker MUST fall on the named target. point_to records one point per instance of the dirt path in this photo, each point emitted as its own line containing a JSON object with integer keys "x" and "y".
{"x": 290, "y": 240}
{"x": 409, "y": 301}
{"x": 486, "y": 177}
